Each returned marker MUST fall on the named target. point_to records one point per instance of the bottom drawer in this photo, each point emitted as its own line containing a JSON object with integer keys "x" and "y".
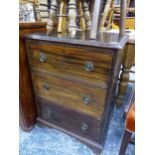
{"x": 69, "y": 120}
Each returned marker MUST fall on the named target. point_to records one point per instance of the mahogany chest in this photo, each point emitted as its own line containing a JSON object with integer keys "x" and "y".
{"x": 74, "y": 82}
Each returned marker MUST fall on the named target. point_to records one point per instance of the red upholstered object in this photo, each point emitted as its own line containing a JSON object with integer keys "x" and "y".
{"x": 130, "y": 119}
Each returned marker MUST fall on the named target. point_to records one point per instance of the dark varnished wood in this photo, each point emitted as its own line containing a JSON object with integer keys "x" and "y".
{"x": 63, "y": 71}
{"x": 110, "y": 100}
{"x": 70, "y": 61}
{"x": 70, "y": 94}
{"x": 32, "y": 25}
{"x": 70, "y": 120}
{"x": 27, "y": 105}
{"x": 125, "y": 141}
{"x": 104, "y": 40}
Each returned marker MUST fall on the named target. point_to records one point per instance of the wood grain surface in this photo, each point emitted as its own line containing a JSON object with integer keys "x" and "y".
{"x": 70, "y": 120}
{"x": 74, "y": 82}
{"x": 27, "y": 103}
{"x": 70, "y": 94}
{"x": 69, "y": 61}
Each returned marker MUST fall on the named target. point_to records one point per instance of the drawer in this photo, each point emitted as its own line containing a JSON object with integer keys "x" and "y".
{"x": 89, "y": 64}
{"x": 69, "y": 120}
{"x": 70, "y": 94}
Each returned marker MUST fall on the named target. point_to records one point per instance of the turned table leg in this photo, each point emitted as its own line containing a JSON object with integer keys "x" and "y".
{"x": 127, "y": 63}
{"x": 125, "y": 141}
{"x": 37, "y": 10}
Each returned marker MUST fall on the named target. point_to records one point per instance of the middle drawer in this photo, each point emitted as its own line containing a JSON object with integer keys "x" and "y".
{"x": 73, "y": 95}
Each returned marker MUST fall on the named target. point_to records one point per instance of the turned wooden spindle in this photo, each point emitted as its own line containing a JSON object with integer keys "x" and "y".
{"x": 82, "y": 20}
{"x": 92, "y": 7}
{"x": 105, "y": 14}
{"x": 127, "y": 5}
{"x": 87, "y": 15}
{"x": 52, "y": 15}
{"x": 122, "y": 19}
{"x": 127, "y": 63}
{"x": 72, "y": 15}
{"x": 95, "y": 19}
{"x": 110, "y": 15}
{"x": 37, "y": 11}
{"x": 62, "y": 19}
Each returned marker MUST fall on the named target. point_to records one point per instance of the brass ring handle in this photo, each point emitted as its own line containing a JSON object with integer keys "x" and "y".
{"x": 43, "y": 57}
{"x": 84, "y": 127}
{"x": 86, "y": 100}
{"x": 88, "y": 66}
{"x": 46, "y": 87}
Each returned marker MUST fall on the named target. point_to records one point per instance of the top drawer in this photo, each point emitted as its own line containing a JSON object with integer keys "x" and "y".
{"x": 89, "y": 64}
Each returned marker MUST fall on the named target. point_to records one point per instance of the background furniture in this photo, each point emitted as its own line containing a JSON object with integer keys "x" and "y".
{"x": 128, "y": 62}
{"x": 27, "y": 104}
{"x": 129, "y": 17}
{"x": 129, "y": 123}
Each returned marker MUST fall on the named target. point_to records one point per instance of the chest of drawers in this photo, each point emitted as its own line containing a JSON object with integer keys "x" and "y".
{"x": 74, "y": 83}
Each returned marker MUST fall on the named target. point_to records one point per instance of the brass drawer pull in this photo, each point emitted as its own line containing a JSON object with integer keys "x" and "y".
{"x": 49, "y": 113}
{"x": 43, "y": 57}
{"x": 84, "y": 127}
{"x": 46, "y": 87}
{"x": 88, "y": 66}
{"x": 86, "y": 100}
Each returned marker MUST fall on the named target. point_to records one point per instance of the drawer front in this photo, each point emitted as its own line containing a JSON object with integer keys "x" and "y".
{"x": 70, "y": 120}
{"x": 92, "y": 65}
{"x": 73, "y": 95}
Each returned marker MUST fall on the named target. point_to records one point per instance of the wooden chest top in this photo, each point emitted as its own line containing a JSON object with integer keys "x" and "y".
{"x": 104, "y": 40}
